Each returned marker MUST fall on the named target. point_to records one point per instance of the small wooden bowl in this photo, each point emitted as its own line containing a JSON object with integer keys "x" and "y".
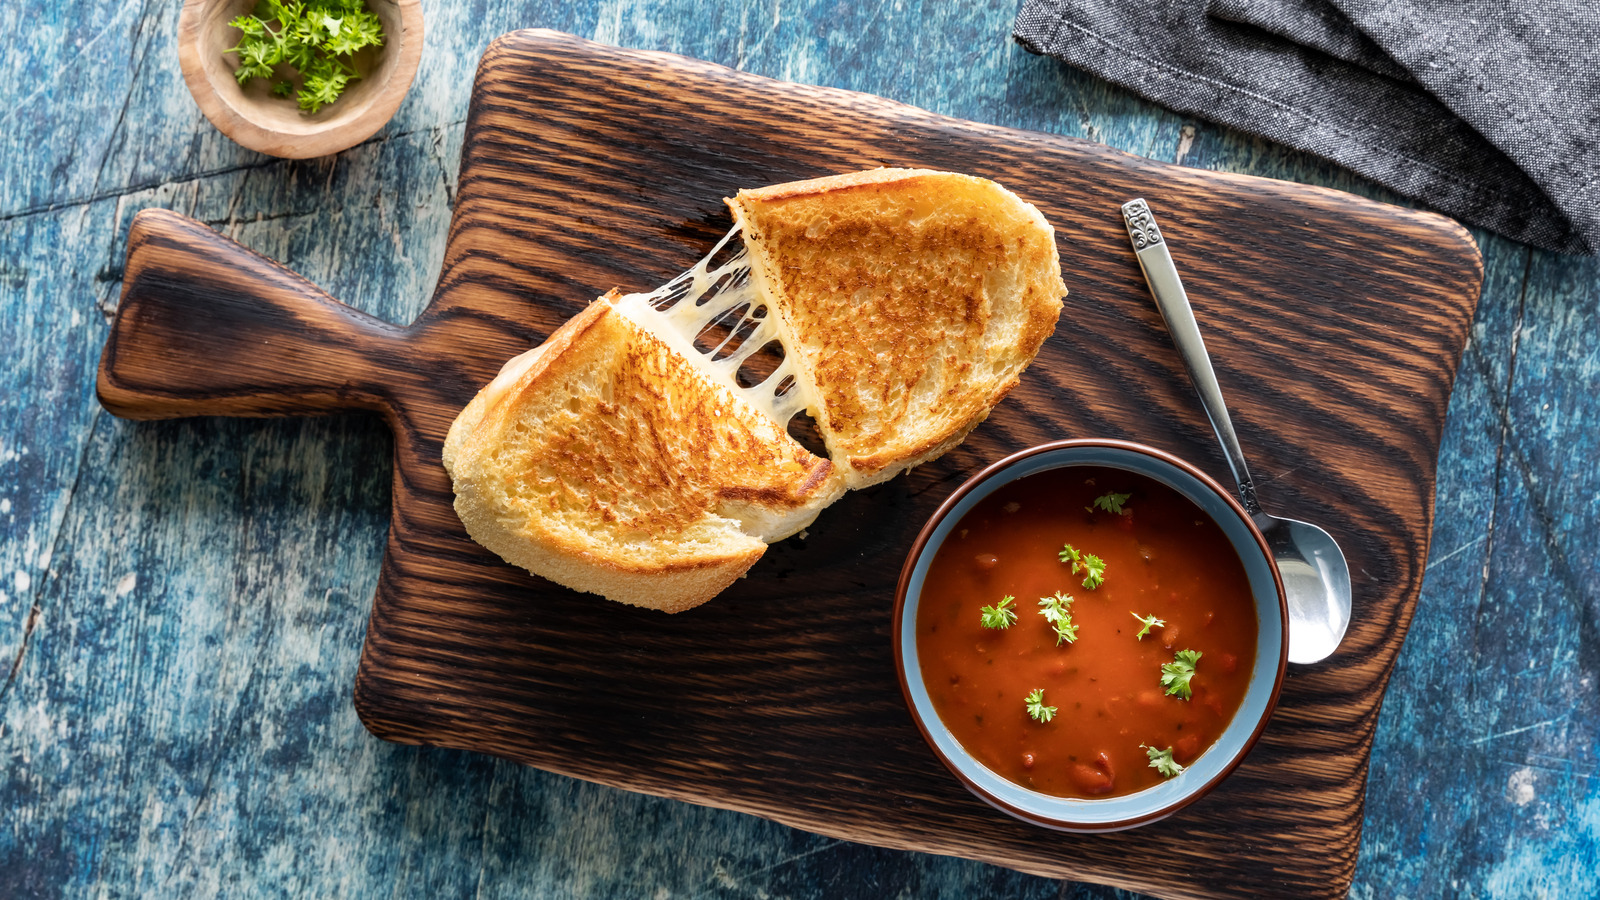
{"x": 255, "y": 118}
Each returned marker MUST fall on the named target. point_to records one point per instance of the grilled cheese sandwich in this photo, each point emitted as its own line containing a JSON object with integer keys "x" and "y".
{"x": 620, "y": 458}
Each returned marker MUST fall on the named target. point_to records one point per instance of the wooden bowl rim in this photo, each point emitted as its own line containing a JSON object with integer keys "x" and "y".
{"x": 237, "y": 120}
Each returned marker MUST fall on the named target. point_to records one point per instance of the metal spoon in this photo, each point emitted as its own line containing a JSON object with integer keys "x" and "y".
{"x": 1316, "y": 578}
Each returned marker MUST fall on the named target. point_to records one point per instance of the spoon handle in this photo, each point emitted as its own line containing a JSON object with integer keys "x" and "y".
{"x": 1162, "y": 276}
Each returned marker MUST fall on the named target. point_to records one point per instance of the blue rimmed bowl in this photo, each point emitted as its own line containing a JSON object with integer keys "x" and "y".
{"x": 1213, "y": 765}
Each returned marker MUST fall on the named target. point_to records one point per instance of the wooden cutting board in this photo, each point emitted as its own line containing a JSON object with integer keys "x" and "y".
{"x": 1336, "y": 324}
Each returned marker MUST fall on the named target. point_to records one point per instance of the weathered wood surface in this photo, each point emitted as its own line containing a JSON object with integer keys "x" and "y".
{"x": 183, "y": 601}
{"x": 779, "y": 698}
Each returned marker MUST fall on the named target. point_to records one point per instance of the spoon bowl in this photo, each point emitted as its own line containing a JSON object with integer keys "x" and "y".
{"x": 1316, "y": 585}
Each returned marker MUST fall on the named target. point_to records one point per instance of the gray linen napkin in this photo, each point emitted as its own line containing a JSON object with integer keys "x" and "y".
{"x": 1317, "y": 24}
{"x": 1488, "y": 110}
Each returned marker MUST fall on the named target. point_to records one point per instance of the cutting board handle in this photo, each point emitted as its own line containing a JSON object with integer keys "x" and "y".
{"x": 208, "y": 327}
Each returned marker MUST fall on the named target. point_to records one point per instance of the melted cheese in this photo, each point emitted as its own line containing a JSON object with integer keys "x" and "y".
{"x": 678, "y": 311}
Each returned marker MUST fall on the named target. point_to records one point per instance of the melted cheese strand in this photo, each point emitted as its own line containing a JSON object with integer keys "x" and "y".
{"x": 678, "y": 311}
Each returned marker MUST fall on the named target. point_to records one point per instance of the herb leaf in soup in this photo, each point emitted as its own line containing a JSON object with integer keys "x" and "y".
{"x": 1162, "y": 761}
{"x": 1175, "y": 675}
{"x": 1000, "y": 615}
{"x": 1036, "y": 707}
{"x": 1149, "y": 623}
{"x": 1111, "y": 503}
{"x": 1057, "y": 610}
{"x": 1084, "y": 562}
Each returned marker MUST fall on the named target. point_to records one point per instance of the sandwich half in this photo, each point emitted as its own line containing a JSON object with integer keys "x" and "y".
{"x": 619, "y": 458}
{"x": 912, "y": 300}
{"x": 607, "y": 461}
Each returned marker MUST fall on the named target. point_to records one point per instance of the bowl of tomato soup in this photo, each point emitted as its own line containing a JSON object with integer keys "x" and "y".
{"x": 1090, "y": 634}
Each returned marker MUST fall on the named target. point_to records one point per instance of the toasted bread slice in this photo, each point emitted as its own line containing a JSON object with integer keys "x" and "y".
{"x": 909, "y": 299}
{"x": 607, "y": 461}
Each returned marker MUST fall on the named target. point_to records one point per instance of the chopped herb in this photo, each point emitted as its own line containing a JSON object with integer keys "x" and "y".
{"x": 1036, "y": 707}
{"x": 326, "y": 78}
{"x": 315, "y": 37}
{"x": 1175, "y": 675}
{"x": 1149, "y": 623}
{"x": 1093, "y": 566}
{"x": 1057, "y": 610}
{"x": 1111, "y": 503}
{"x": 1162, "y": 761}
{"x": 1097, "y": 571}
{"x": 1000, "y": 615}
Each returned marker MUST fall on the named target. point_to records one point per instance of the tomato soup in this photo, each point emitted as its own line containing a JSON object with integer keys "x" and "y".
{"x": 1102, "y": 703}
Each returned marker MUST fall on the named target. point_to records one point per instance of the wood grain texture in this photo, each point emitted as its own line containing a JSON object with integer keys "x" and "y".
{"x": 1336, "y": 325}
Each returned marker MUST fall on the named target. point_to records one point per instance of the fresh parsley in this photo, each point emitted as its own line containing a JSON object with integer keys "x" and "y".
{"x": 1111, "y": 503}
{"x": 1149, "y": 623}
{"x": 1036, "y": 707}
{"x": 1093, "y": 566}
{"x": 1175, "y": 675}
{"x": 317, "y": 38}
{"x": 1000, "y": 615}
{"x": 1057, "y": 610}
{"x": 1162, "y": 761}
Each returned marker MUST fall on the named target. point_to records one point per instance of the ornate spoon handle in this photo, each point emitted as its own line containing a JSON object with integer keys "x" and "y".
{"x": 1162, "y": 276}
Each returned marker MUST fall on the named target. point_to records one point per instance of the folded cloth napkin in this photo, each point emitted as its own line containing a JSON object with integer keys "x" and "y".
{"x": 1487, "y": 110}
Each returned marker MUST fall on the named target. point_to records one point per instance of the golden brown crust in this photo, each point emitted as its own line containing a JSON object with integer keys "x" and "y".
{"x": 813, "y": 187}
{"x": 912, "y": 300}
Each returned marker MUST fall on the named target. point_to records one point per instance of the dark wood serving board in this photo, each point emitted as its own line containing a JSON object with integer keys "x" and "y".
{"x": 1336, "y": 324}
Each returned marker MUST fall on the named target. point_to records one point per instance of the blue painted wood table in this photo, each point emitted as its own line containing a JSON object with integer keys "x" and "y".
{"x": 182, "y": 604}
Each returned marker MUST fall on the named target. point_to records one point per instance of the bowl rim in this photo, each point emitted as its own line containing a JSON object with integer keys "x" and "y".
{"x": 919, "y": 546}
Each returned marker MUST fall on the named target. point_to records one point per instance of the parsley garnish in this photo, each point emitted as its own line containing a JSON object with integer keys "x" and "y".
{"x": 1111, "y": 503}
{"x": 1175, "y": 675}
{"x": 1149, "y": 622}
{"x": 1000, "y": 615}
{"x": 1094, "y": 566}
{"x": 315, "y": 37}
{"x": 1057, "y": 610}
{"x": 1162, "y": 761}
{"x": 1036, "y": 707}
